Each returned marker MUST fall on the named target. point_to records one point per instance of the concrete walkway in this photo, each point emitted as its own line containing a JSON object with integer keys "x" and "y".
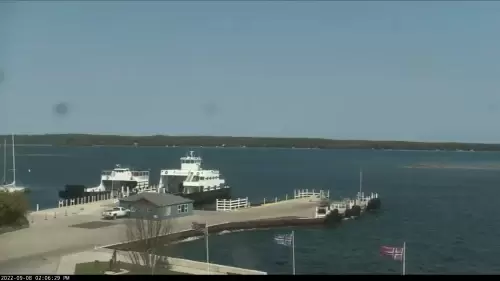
{"x": 38, "y": 249}
{"x": 68, "y": 263}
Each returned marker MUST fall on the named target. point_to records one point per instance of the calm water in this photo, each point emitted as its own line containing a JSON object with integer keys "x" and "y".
{"x": 448, "y": 217}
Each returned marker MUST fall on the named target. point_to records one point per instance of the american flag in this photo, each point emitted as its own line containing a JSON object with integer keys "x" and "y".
{"x": 395, "y": 253}
{"x": 284, "y": 239}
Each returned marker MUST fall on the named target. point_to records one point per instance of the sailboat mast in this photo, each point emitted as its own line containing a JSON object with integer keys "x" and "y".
{"x": 4, "y": 161}
{"x": 13, "y": 160}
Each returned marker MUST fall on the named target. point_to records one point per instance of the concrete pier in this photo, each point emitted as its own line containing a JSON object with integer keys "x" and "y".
{"x": 53, "y": 233}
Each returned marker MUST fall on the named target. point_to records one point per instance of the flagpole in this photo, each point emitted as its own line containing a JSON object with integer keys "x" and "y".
{"x": 293, "y": 251}
{"x": 404, "y": 258}
{"x": 206, "y": 248}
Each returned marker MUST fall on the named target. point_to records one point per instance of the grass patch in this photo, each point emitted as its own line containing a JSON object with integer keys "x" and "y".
{"x": 99, "y": 267}
{"x": 92, "y": 224}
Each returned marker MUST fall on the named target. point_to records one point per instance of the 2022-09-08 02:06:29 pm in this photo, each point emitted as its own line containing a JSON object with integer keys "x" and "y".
{"x": 34, "y": 277}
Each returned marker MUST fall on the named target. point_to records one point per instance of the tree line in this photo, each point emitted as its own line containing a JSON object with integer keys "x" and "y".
{"x": 227, "y": 141}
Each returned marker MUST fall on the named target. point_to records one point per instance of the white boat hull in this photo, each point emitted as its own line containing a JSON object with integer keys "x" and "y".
{"x": 12, "y": 188}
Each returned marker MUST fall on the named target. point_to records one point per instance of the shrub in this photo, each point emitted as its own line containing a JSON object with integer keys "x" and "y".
{"x": 13, "y": 208}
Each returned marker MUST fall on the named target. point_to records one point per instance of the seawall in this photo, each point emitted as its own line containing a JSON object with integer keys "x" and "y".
{"x": 229, "y": 226}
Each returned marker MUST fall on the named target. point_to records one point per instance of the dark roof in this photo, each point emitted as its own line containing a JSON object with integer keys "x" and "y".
{"x": 157, "y": 199}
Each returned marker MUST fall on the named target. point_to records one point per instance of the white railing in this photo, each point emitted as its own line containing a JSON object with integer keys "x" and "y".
{"x": 83, "y": 200}
{"x": 150, "y": 188}
{"x": 363, "y": 200}
{"x": 304, "y": 193}
{"x": 226, "y": 205}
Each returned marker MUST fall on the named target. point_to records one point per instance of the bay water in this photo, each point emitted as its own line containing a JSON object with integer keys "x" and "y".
{"x": 447, "y": 217}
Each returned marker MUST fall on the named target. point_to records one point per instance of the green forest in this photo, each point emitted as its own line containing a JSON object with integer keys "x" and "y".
{"x": 226, "y": 141}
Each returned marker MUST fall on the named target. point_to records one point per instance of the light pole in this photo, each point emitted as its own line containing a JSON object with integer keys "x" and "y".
{"x": 207, "y": 249}
{"x": 151, "y": 260}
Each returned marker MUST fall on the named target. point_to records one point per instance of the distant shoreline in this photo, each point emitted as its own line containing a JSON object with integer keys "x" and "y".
{"x": 451, "y": 166}
{"x": 226, "y": 141}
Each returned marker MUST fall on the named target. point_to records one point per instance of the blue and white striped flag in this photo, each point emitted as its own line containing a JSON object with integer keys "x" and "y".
{"x": 284, "y": 239}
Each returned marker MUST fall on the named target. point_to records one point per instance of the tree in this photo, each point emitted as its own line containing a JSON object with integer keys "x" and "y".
{"x": 146, "y": 235}
{"x": 13, "y": 209}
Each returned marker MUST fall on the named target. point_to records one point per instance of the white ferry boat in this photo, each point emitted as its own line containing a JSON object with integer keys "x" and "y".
{"x": 193, "y": 182}
{"x": 118, "y": 182}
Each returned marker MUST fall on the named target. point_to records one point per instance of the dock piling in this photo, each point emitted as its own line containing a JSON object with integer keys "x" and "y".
{"x": 45, "y": 216}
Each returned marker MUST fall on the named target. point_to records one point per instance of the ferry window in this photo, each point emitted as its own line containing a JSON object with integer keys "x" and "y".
{"x": 182, "y": 208}
{"x": 149, "y": 210}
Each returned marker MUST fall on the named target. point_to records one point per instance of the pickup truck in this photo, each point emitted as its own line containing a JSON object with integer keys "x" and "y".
{"x": 117, "y": 212}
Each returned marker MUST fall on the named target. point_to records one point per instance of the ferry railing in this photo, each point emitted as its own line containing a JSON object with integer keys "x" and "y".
{"x": 150, "y": 188}
{"x": 225, "y": 205}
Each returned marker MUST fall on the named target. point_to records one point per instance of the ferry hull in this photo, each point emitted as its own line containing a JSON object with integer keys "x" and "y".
{"x": 78, "y": 191}
{"x": 208, "y": 198}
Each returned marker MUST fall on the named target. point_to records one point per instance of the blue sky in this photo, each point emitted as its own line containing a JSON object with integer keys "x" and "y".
{"x": 346, "y": 70}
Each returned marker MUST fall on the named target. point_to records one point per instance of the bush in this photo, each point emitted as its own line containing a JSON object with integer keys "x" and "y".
{"x": 13, "y": 209}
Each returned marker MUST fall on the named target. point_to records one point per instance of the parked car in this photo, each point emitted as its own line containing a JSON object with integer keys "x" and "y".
{"x": 117, "y": 212}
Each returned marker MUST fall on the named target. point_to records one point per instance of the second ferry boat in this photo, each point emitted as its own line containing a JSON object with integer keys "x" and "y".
{"x": 191, "y": 181}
